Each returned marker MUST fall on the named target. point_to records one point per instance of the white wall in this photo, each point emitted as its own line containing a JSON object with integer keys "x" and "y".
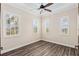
{"x": 55, "y": 34}
{"x": 26, "y": 34}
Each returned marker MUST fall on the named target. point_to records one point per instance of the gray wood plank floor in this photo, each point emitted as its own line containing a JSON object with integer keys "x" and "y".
{"x": 43, "y": 48}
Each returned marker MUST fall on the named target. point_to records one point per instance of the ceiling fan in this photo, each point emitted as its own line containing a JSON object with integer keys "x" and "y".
{"x": 43, "y": 7}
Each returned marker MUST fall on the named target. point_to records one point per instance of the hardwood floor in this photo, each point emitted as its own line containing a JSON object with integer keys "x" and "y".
{"x": 43, "y": 48}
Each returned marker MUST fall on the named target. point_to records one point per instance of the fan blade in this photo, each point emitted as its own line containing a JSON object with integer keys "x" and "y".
{"x": 47, "y": 5}
{"x": 48, "y": 10}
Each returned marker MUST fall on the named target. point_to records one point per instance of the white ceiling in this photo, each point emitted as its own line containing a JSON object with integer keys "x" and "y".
{"x": 33, "y": 7}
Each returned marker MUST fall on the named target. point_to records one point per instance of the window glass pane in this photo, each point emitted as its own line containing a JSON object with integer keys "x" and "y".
{"x": 35, "y": 26}
{"x": 46, "y": 25}
{"x": 64, "y": 24}
{"x": 11, "y": 25}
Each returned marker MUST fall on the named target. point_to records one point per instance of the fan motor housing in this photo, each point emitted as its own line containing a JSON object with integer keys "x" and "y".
{"x": 41, "y": 6}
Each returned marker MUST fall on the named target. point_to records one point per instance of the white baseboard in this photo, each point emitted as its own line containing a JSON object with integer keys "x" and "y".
{"x": 72, "y": 46}
{"x": 4, "y": 51}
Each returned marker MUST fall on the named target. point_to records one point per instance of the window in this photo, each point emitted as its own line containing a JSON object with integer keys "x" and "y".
{"x": 64, "y": 24}
{"x": 35, "y": 26}
{"x": 11, "y": 24}
{"x": 46, "y": 25}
